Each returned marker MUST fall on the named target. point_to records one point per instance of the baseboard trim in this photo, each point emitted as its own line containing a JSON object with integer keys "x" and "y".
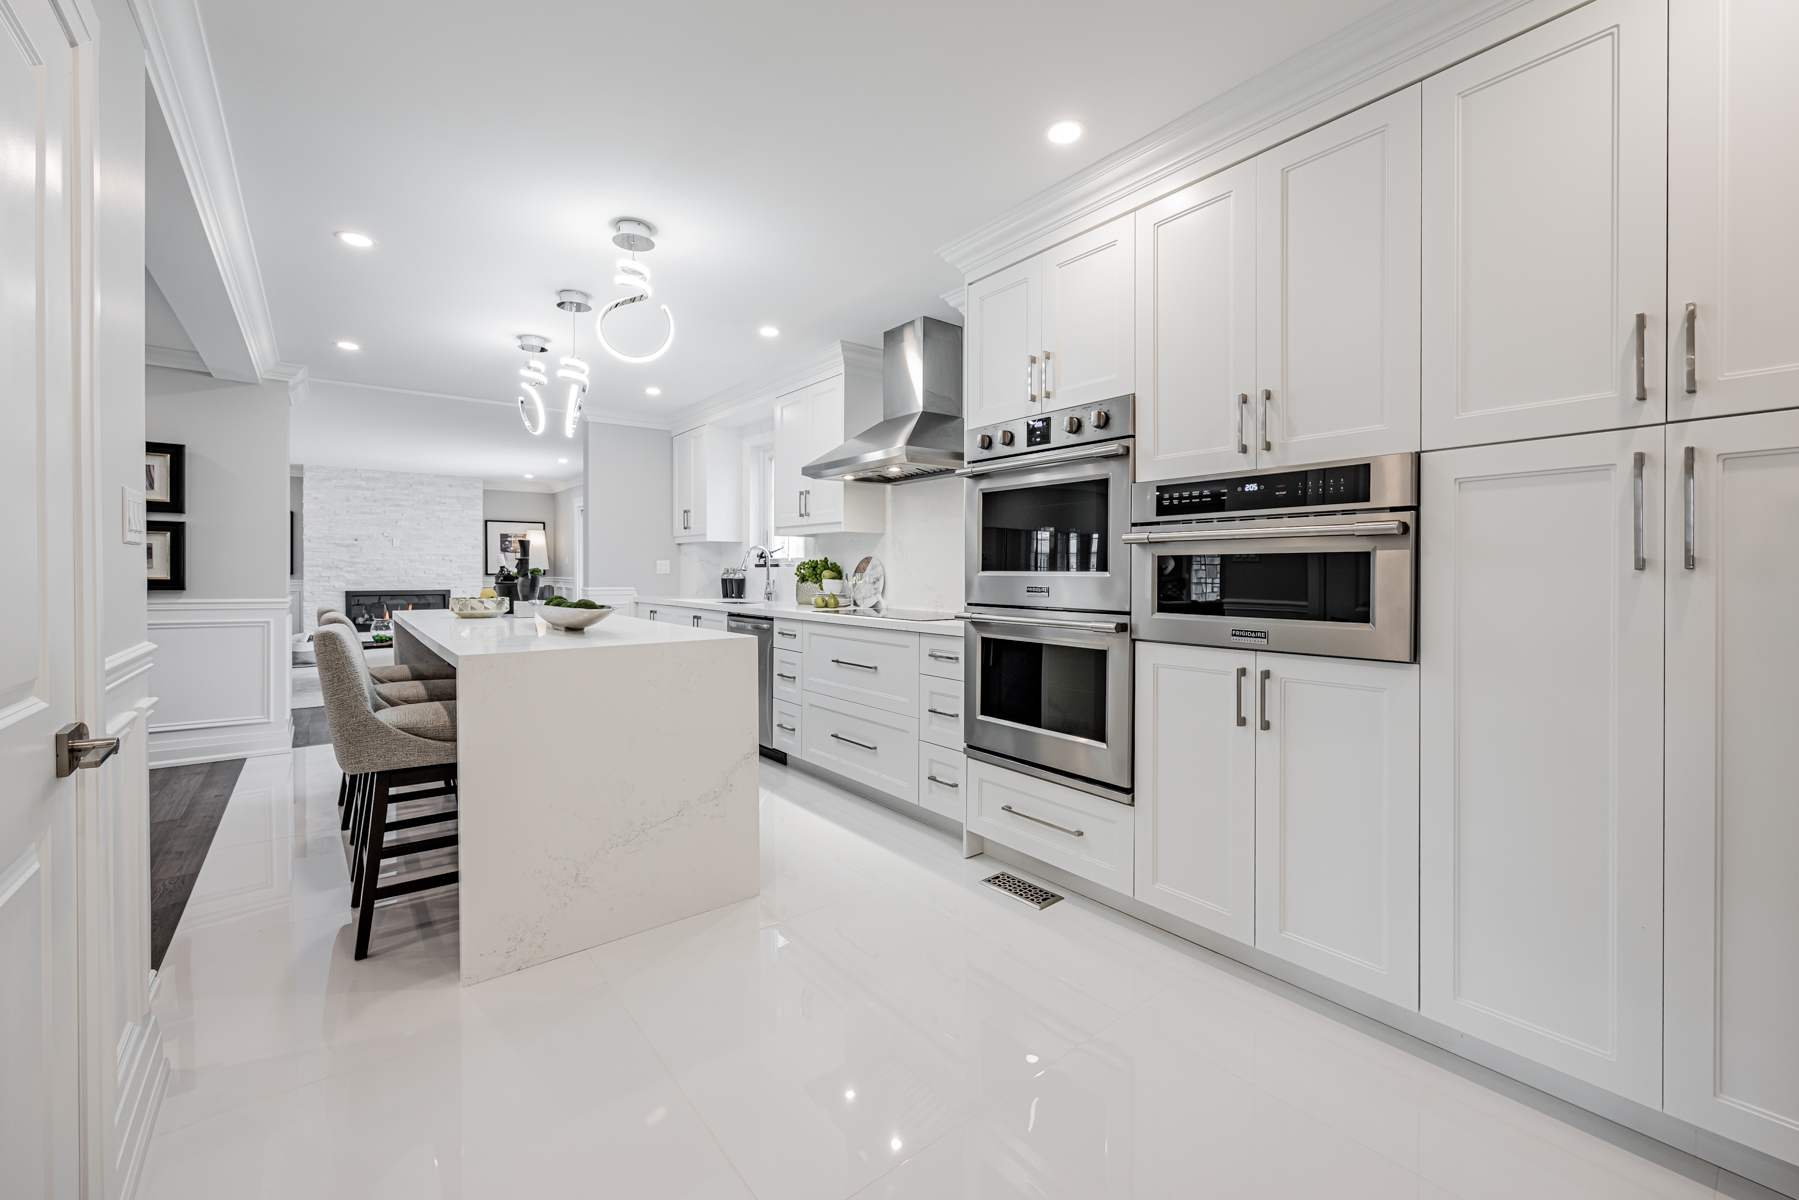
{"x": 904, "y": 808}
{"x": 181, "y": 749}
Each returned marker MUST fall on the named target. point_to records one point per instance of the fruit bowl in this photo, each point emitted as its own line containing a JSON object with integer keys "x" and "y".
{"x": 473, "y": 606}
{"x": 573, "y": 620}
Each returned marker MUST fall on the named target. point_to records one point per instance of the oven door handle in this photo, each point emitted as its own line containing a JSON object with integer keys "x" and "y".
{"x": 1049, "y": 623}
{"x": 1252, "y": 533}
{"x": 1048, "y": 458}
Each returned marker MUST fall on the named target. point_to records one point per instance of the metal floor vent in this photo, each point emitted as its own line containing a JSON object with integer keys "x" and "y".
{"x": 1030, "y": 893}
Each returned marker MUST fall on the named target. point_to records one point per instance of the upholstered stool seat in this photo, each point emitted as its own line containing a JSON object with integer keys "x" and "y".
{"x": 418, "y": 691}
{"x": 432, "y": 719}
{"x": 395, "y": 674}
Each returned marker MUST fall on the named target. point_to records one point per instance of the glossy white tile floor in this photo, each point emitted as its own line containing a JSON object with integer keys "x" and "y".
{"x": 877, "y": 1025}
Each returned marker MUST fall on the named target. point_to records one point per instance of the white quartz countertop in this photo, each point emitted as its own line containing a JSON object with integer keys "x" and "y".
{"x": 452, "y": 638}
{"x": 758, "y": 608}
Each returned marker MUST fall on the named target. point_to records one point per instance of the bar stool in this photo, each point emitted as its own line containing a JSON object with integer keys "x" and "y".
{"x": 393, "y": 674}
{"x": 398, "y": 754}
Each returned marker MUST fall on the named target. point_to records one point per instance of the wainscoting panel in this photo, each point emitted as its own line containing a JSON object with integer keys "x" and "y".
{"x": 220, "y": 678}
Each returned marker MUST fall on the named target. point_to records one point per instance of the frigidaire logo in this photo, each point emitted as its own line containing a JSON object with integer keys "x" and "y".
{"x": 1036, "y": 591}
{"x": 1250, "y": 635}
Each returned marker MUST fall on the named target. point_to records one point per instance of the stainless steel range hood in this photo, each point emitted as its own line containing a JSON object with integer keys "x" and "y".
{"x": 920, "y": 434}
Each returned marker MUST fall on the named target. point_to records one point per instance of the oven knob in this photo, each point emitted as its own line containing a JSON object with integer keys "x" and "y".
{"x": 1072, "y": 425}
{"x": 1005, "y": 437}
{"x": 1101, "y": 419}
{"x": 986, "y": 441}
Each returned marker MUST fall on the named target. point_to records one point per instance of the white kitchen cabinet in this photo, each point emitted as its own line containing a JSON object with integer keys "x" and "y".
{"x": 1337, "y": 819}
{"x": 1196, "y": 785}
{"x": 873, "y": 746}
{"x": 1733, "y": 168}
{"x": 1196, "y": 328}
{"x": 877, "y": 667}
{"x": 1337, "y": 269}
{"x": 809, "y": 422}
{"x": 1540, "y": 651}
{"x": 1545, "y": 231}
{"x": 1732, "y": 1029}
{"x": 1001, "y": 345}
{"x": 789, "y": 728}
{"x": 708, "y": 478}
{"x": 940, "y": 718}
{"x": 1078, "y": 832}
{"x": 789, "y": 675}
{"x": 940, "y": 772}
{"x": 1089, "y": 316}
{"x": 940, "y": 656}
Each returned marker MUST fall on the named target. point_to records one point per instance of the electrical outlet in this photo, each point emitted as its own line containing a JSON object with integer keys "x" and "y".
{"x": 662, "y": 566}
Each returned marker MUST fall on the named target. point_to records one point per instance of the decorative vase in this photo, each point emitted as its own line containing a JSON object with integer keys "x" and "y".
{"x": 803, "y": 593}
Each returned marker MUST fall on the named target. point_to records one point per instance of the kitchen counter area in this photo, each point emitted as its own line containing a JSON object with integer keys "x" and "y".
{"x": 949, "y": 627}
{"x": 587, "y": 810}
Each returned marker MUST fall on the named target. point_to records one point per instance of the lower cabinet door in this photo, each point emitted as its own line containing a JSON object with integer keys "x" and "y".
{"x": 1337, "y": 819}
{"x": 866, "y": 744}
{"x": 789, "y": 729}
{"x": 1196, "y": 785}
{"x": 1066, "y": 828}
{"x": 940, "y": 705}
{"x": 940, "y": 780}
{"x": 788, "y": 673}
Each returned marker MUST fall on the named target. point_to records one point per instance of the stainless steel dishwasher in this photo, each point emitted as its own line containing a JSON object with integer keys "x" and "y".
{"x": 763, "y": 630}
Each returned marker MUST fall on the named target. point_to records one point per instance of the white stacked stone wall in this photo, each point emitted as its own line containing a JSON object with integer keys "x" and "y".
{"x": 389, "y": 529}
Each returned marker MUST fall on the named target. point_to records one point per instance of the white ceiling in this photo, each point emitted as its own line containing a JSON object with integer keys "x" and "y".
{"x": 804, "y": 162}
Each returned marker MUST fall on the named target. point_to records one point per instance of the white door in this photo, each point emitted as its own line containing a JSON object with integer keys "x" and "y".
{"x": 1337, "y": 819}
{"x": 793, "y": 441}
{"x": 824, "y": 499}
{"x": 684, "y": 514}
{"x": 1540, "y": 650}
{"x": 1733, "y": 169}
{"x": 1196, "y": 331}
{"x": 1196, "y": 785}
{"x": 1733, "y": 824}
{"x": 1089, "y": 322}
{"x": 39, "y": 688}
{"x": 1002, "y": 375}
{"x": 1337, "y": 231}
{"x": 1545, "y": 172}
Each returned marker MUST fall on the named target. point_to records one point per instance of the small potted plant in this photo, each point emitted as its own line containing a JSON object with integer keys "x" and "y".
{"x": 811, "y": 576}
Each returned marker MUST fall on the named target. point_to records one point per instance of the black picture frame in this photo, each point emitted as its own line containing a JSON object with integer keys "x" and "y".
{"x": 172, "y": 457}
{"x": 175, "y": 578}
{"x": 491, "y": 532}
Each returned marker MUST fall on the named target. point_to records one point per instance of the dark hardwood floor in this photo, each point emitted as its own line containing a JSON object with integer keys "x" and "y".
{"x": 186, "y": 804}
{"x": 309, "y": 728}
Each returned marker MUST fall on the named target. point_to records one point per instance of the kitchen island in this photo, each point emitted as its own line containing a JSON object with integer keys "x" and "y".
{"x": 606, "y": 779}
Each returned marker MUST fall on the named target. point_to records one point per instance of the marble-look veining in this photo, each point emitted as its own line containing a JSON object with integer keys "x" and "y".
{"x": 874, "y": 1024}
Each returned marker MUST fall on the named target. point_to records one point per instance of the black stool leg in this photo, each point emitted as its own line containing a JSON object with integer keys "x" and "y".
{"x": 375, "y": 836}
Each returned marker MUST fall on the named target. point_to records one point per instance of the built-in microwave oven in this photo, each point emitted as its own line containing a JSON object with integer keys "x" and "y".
{"x": 1311, "y": 560}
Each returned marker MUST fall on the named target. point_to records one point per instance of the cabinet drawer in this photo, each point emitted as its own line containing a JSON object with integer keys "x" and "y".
{"x": 940, "y": 774}
{"x": 940, "y": 656}
{"x": 867, "y": 744}
{"x": 865, "y": 666}
{"x": 940, "y": 718}
{"x": 789, "y": 728}
{"x": 788, "y": 677}
{"x": 1023, "y": 812}
{"x": 788, "y": 635}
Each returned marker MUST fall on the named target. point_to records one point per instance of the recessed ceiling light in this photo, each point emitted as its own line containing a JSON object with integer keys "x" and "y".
{"x": 1063, "y": 132}
{"x": 361, "y": 241}
{"x": 769, "y": 331}
{"x": 562, "y": 460}
{"x": 348, "y": 346}
{"x": 1030, "y": 1058}
{"x": 895, "y": 1143}
{"x": 530, "y": 477}
{"x": 652, "y": 391}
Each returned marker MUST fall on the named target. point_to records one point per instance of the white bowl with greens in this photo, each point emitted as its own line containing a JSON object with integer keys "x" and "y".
{"x": 573, "y": 616}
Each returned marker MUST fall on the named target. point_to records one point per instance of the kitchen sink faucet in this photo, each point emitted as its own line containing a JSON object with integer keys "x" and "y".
{"x": 766, "y": 560}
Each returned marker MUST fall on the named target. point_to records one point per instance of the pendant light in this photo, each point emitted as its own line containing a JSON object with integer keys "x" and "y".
{"x": 532, "y": 378}
{"x": 573, "y": 369}
{"x": 630, "y": 233}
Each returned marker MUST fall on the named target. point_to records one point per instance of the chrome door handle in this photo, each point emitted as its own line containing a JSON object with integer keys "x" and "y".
{"x": 842, "y": 662}
{"x": 1228, "y": 533}
{"x": 1047, "y": 368}
{"x": 1692, "y": 349}
{"x": 779, "y": 675}
{"x": 854, "y": 742}
{"x": 1050, "y": 459}
{"x": 1241, "y": 719}
{"x": 1041, "y": 821}
{"x": 1045, "y": 622}
{"x": 1267, "y": 395}
{"x": 1262, "y": 711}
{"x": 1642, "y": 365}
{"x": 1691, "y": 507}
{"x": 1636, "y": 502}
{"x": 788, "y": 728}
{"x": 939, "y": 712}
{"x": 1242, "y": 409}
{"x": 76, "y": 751}
{"x": 940, "y": 656}
{"x": 1030, "y": 379}
{"x": 947, "y": 783}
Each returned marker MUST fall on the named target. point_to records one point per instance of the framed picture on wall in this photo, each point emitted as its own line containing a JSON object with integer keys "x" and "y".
{"x": 165, "y": 556}
{"x": 165, "y": 477}
{"x": 505, "y": 539}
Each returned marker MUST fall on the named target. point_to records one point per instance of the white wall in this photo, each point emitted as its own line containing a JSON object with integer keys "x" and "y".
{"x": 922, "y": 549}
{"x": 502, "y": 504}
{"x": 630, "y": 499}
{"x": 564, "y": 529}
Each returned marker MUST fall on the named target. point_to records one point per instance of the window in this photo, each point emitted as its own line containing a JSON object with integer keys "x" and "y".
{"x": 786, "y": 549}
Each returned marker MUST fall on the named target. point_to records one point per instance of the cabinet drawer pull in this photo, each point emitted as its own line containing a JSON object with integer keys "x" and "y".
{"x": 854, "y": 742}
{"x": 945, "y": 783}
{"x": 1637, "y": 562}
{"x": 1030, "y": 379}
{"x": 1241, "y": 719}
{"x": 1691, "y": 507}
{"x": 940, "y": 656}
{"x": 788, "y": 728}
{"x": 1692, "y": 349}
{"x": 1267, "y": 395}
{"x": 1041, "y": 821}
{"x": 1642, "y": 365}
{"x": 1048, "y": 378}
{"x": 939, "y": 712}
{"x": 788, "y": 633}
{"x": 842, "y": 662}
{"x": 779, "y": 675}
{"x": 1262, "y": 712}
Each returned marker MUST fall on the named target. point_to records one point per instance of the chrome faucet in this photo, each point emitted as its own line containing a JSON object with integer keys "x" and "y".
{"x": 765, "y": 560}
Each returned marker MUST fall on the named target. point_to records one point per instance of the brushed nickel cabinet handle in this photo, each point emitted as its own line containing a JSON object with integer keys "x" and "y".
{"x": 1262, "y": 710}
{"x": 788, "y": 728}
{"x": 780, "y": 675}
{"x": 1030, "y": 379}
{"x": 946, "y": 783}
{"x": 1242, "y": 410}
{"x": 1041, "y": 821}
{"x": 1692, "y": 349}
{"x": 1642, "y": 363}
{"x": 854, "y": 742}
{"x": 1047, "y": 377}
{"x": 1691, "y": 506}
{"x": 787, "y": 633}
{"x": 843, "y": 662}
{"x": 1242, "y": 720}
{"x": 940, "y": 656}
{"x": 939, "y": 712}
{"x": 1267, "y": 395}
{"x": 1636, "y": 518}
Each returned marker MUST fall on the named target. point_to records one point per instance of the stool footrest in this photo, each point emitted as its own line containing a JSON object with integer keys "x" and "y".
{"x": 419, "y": 846}
{"x": 448, "y": 814}
{"x": 406, "y": 887}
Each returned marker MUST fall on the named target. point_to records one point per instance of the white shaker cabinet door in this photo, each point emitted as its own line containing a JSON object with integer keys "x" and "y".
{"x": 1545, "y": 232}
{"x": 1002, "y": 379}
{"x": 1337, "y": 819}
{"x": 1733, "y": 170}
{"x": 1089, "y": 326}
{"x": 1540, "y": 652}
{"x": 1196, "y": 785}
{"x": 793, "y": 450}
{"x": 1196, "y": 328}
{"x": 1337, "y": 227}
{"x": 824, "y": 497}
{"x": 687, "y": 506}
{"x": 1733, "y": 821}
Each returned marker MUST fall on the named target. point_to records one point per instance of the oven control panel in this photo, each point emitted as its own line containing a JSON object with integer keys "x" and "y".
{"x": 1386, "y": 481}
{"x": 1101, "y": 421}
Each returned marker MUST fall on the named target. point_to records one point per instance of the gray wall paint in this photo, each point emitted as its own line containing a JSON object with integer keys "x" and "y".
{"x": 237, "y": 479}
{"x": 629, "y": 496}
{"x": 563, "y": 532}
{"x": 119, "y": 324}
{"x": 501, "y": 505}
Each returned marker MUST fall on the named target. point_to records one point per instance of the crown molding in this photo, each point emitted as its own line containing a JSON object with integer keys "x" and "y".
{"x": 742, "y": 398}
{"x": 957, "y": 298}
{"x": 1390, "y": 49}
{"x": 174, "y": 360}
{"x": 626, "y": 419}
{"x": 295, "y": 378}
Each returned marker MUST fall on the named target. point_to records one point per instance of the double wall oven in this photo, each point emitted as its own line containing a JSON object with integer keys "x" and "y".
{"x": 1048, "y": 689}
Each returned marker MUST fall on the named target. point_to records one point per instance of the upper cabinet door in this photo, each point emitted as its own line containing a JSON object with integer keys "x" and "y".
{"x": 824, "y": 497}
{"x": 793, "y": 442}
{"x": 1733, "y": 246}
{"x": 1337, "y": 227}
{"x": 1545, "y": 230}
{"x": 1196, "y": 334}
{"x": 1002, "y": 345}
{"x": 686, "y": 512}
{"x": 1088, "y": 316}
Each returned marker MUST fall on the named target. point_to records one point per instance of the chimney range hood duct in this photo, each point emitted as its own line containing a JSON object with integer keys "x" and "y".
{"x": 920, "y": 434}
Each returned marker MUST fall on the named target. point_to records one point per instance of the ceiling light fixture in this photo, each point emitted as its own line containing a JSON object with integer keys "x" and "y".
{"x": 348, "y": 346}
{"x": 361, "y": 241}
{"x": 637, "y": 236}
{"x": 769, "y": 331}
{"x": 562, "y": 460}
{"x": 1064, "y": 132}
{"x": 652, "y": 391}
{"x": 573, "y": 369}
{"x": 530, "y": 404}
{"x": 530, "y": 477}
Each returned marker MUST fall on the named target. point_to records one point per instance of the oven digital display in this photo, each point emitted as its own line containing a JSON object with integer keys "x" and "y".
{"x": 1289, "y": 489}
{"x": 1036, "y": 431}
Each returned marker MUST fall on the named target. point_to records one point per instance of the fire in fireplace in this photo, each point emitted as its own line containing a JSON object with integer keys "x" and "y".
{"x": 363, "y": 608}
